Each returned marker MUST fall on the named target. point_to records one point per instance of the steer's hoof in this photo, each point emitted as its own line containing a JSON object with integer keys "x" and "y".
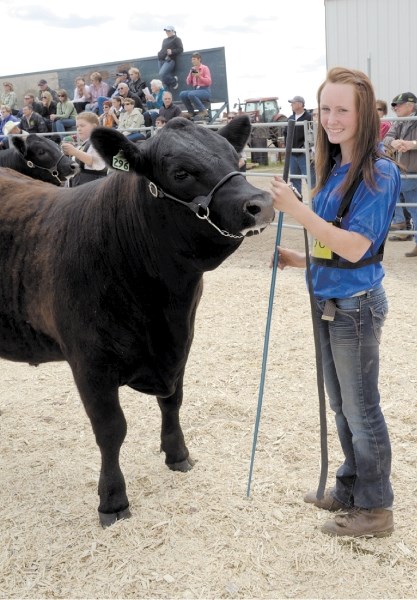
{"x": 184, "y": 465}
{"x": 107, "y": 519}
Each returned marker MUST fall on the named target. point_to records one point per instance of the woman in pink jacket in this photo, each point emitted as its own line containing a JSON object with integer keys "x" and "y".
{"x": 199, "y": 78}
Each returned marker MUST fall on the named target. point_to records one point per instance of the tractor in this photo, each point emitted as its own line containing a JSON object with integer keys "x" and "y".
{"x": 263, "y": 110}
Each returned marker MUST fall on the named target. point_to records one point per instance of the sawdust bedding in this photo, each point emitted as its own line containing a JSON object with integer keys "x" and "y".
{"x": 198, "y": 535}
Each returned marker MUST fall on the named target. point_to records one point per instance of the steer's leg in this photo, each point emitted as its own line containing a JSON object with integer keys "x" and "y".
{"x": 101, "y": 402}
{"x": 177, "y": 457}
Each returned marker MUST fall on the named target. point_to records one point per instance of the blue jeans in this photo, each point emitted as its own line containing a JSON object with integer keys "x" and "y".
{"x": 166, "y": 73}
{"x": 60, "y": 124}
{"x": 195, "y": 97}
{"x": 409, "y": 192}
{"x": 135, "y": 136}
{"x": 298, "y": 167}
{"x": 350, "y": 350}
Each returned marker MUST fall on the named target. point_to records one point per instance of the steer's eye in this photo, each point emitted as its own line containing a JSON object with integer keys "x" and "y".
{"x": 40, "y": 152}
{"x": 181, "y": 175}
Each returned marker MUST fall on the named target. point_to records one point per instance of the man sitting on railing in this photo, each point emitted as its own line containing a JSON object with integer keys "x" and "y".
{"x": 402, "y": 139}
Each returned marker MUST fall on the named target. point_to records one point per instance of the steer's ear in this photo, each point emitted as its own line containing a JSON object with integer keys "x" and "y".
{"x": 237, "y": 132}
{"x": 111, "y": 145}
{"x": 19, "y": 142}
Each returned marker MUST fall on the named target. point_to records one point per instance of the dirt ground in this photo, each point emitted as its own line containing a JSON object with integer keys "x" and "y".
{"x": 198, "y": 535}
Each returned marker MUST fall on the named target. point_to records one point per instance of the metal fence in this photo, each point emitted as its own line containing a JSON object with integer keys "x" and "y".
{"x": 270, "y": 149}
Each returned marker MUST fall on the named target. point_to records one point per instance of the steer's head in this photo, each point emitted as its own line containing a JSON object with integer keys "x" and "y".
{"x": 197, "y": 168}
{"x": 44, "y": 159}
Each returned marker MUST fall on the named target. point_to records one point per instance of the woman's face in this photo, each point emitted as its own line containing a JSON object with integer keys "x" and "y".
{"x": 128, "y": 106}
{"x": 380, "y": 111}
{"x": 339, "y": 116}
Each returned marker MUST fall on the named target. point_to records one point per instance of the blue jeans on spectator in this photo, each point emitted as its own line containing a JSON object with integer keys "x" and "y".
{"x": 350, "y": 351}
{"x": 196, "y": 98}
{"x": 298, "y": 167}
{"x": 166, "y": 73}
{"x": 61, "y": 124}
{"x": 135, "y": 136}
{"x": 409, "y": 193}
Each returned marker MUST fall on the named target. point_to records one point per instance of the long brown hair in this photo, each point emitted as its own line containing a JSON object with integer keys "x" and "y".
{"x": 366, "y": 149}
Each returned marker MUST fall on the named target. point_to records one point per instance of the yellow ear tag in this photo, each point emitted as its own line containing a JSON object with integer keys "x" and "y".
{"x": 120, "y": 162}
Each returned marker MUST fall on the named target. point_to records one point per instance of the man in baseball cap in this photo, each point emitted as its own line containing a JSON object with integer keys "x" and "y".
{"x": 402, "y": 139}
{"x": 171, "y": 48}
{"x": 298, "y": 160}
{"x": 297, "y": 99}
{"x": 43, "y": 87}
{"x": 403, "y": 98}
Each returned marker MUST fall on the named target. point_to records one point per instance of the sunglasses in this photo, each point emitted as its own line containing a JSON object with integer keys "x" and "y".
{"x": 61, "y": 96}
{"x": 380, "y": 109}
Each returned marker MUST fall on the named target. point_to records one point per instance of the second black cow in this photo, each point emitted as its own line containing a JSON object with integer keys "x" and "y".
{"x": 39, "y": 158}
{"x": 108, "y": 276}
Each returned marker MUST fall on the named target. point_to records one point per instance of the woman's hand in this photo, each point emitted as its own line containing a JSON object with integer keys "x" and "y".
{"x": 289, "y": 258}
{"x": 284, "y": 198}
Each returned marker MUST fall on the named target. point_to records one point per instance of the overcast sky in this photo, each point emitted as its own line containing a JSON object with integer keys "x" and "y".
{"x": 273, "y": 47}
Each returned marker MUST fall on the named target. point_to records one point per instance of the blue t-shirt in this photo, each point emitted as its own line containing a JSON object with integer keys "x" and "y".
{"x": 370, "y": 214}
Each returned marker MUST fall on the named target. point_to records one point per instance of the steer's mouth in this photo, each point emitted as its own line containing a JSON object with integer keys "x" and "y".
{"x": 262, "y": 215}
{"x": 254, "y": 231}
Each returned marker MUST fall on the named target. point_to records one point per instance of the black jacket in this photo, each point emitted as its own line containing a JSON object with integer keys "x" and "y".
{"x": 299, "y": 140}
{"x": 137, "y": 88}
{"x": 170, "y": 112}
{"x": 171, "y": 43}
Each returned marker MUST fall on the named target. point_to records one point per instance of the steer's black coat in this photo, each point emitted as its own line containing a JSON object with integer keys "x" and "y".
{"x": 39, "y": 158}
{"x": 108, "y": 277}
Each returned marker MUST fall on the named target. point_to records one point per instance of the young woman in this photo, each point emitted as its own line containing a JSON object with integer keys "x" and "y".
{"x": 382, "y": 110}
{"x": 106, "y": 119}
{"x": 351, "y": 305}
{"x": 92, "y": 166}
{"x": 136, "y": 83}
{"x": 65, "y": 113}
{"x": 48, "y": 108}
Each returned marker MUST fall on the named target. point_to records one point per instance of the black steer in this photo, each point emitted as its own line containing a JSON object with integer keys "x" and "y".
{"x": 39, "y": 158}
{"x": 108, "y": 275}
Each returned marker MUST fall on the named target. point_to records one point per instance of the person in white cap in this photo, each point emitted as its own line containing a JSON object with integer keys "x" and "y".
{"x": 298, "y": 159}
{"x": 11, "y": 128}
{"x": 171, "y": 48}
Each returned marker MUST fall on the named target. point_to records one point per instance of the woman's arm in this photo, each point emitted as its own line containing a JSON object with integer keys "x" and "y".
{"x": 348, "y": 244}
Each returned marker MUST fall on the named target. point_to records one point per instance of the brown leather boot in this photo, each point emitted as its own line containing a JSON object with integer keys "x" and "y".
{"x": 326, "y": 503}
{"x": 361, "y": 522}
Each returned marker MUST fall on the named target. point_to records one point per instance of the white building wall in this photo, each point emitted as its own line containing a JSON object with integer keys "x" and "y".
{"x": 378, "y": 37}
